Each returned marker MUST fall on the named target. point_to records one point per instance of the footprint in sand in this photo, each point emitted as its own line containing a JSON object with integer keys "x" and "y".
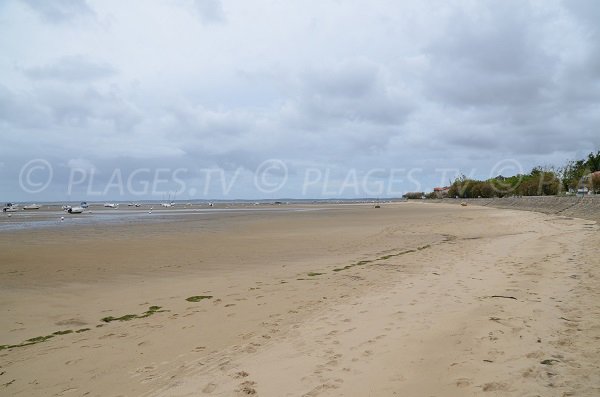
{"x": 241, "y": 374}
{"x": 71, "y": 362}
{"x": 495, "y": 386}
{"x": 209, "y": 388}
{"x": 247, "y": 388}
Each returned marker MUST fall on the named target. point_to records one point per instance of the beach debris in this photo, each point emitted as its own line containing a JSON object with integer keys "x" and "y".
{"x": 503, "y": 296}
{"x": 549, "y": 361}
{"x": 65, "y": 332}
{"x": 198, "y": 298}
{"x": 566, "y": 319}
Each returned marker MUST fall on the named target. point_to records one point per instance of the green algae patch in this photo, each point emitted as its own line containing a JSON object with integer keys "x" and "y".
{"x": 198, "y": 298}
{"x": 128, "y": 317}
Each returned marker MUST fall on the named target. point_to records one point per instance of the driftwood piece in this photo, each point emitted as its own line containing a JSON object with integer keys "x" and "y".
{"x": 503, "y": 296}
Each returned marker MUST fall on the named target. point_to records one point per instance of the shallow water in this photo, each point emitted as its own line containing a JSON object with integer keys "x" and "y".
{"x": 48, "y": 218}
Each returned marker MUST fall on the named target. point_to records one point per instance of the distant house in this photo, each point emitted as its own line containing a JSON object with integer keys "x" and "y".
{"x": 589, "y": 184}
{"x": 582, "y": 191}
{"x": 441, "y": 192}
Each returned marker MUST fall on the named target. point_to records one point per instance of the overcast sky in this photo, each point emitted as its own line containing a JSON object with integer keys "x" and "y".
{"x": 335, "y": 89}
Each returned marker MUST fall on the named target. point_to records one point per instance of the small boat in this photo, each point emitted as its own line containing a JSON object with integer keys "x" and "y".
{"x": 84, "y": 204}
{"x": 31, "y": 207}
{"x": 10, "y": 207}
{"x": 170, "y": 202}
{"x": 75, "y": 210}
{"x": 111, "y": 205}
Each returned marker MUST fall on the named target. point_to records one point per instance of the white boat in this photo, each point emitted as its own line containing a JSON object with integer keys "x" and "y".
{"x": 111, "y": 205}
{"x": 75, "y": 210}
{"x": 10, "y": 207}
{"x": 31, "y": 207}
{"x": 168, "y": 203}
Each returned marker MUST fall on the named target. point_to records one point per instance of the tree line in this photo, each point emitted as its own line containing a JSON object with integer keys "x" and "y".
{"x": 541, "y": 181}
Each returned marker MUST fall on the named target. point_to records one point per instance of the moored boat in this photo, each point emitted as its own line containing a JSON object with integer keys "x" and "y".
{"x": 10, "y": 207}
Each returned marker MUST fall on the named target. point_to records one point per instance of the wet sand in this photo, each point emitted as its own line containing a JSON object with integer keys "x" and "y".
{"x": 409, "y": 299}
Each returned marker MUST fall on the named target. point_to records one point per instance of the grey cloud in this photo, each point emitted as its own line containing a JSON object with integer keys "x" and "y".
{"x": 57, "y": 11}
{"x": 22, "y": 110}
{"x": 505, "y": 84}
{"x": 71, "y": 69}
{"x": 494, "y": 57}
{"x": 587, "y": 11}
{"x": 353, "y": 91}
{"x": 210, "y": 11}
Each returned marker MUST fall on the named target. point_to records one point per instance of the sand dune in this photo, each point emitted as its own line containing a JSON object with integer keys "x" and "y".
{"x": 410, "y": 299}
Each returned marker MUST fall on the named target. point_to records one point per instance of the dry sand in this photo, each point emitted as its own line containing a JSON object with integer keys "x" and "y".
{"x": 411, "y": 300}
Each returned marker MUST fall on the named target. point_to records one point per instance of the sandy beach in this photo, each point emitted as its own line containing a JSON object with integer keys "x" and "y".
{"x": 411, "y": 299}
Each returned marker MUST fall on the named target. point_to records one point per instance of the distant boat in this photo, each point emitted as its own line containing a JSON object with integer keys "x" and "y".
{"x": 75, "y": 210}
{"x": 10, "y": 207}
{"x": 84, "y": 204}
{"x": 170, "y": 202}
{"x": 31, "y": 207}
{"x": 111, "y": 205}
